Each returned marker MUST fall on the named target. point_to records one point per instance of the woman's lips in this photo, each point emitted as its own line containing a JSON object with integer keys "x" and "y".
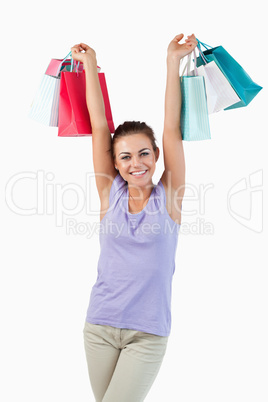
{"x": 139, "y": 175}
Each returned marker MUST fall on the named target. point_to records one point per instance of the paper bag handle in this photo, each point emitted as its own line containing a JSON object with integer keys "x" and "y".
{"x": 61, "y": 64}
{"x": 74, "y": 64}
{"x": 188, "y": 63}
{"x": 203, "y": 44}
{"x": 199, "y": 44}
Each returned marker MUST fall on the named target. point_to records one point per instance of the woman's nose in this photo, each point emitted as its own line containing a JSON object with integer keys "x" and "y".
{"x": 136, "y": 161}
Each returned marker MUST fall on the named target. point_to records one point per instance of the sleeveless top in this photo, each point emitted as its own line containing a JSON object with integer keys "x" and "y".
{"x": 136, "y": 264}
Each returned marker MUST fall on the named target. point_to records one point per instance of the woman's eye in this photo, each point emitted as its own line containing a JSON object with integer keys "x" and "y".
{"x": 143, "y": 153}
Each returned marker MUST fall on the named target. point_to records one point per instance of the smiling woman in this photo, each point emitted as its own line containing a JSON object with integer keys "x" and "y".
{"x": 135, "y": 154}
{"x": 136, "y": 166}
{"x": 128, "y": 319}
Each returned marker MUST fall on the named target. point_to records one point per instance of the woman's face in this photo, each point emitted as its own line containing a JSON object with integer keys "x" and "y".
{"x": 134, "y": 153}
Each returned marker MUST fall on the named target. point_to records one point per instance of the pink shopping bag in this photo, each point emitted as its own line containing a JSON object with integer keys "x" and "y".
{"x": 74, "y": 119}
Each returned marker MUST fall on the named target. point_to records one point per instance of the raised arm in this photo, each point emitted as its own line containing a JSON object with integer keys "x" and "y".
{"x": 101, "y": 136}
{"x": 174, "y": 173}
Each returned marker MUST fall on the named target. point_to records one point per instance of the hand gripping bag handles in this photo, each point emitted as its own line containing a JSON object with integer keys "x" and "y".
{"x": 194, "y": 113}
{"x": 45, "y": 106}
{"x": 74, "y": 119}
{"x": 241, "y": 82}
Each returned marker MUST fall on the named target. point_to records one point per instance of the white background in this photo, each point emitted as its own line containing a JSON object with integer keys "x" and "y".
{"x": 218, "y": 344}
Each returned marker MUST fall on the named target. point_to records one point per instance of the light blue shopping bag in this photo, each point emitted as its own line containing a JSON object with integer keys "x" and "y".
{"x": 45, "y": 106}
{"x": 241, "y": 82}
{"x": 194, "y": 112}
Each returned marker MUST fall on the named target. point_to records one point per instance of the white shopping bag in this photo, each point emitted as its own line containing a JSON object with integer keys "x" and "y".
{"x": 220, "y": 93}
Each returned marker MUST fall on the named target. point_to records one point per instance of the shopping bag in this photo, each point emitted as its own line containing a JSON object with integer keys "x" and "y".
{"x": 45, "y": 105}
{"x": 241, "y": 82}
{"x": 74, "y": 119}
{"x": 44, "y": 108}
{"x": 220, "y": 93}
{"x": 194, "y": 113}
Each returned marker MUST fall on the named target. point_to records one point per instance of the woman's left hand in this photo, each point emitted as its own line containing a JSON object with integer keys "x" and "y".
{"x": 177, "y": 50}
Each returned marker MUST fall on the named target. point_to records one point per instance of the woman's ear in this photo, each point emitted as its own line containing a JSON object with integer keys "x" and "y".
{"x": 157, "y": 153}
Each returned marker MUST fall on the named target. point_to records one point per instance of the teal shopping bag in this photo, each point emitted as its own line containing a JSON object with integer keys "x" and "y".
{"x": 241, "y": 82}
{"x": 194, "y": 112}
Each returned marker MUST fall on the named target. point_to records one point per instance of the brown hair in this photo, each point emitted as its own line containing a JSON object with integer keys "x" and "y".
{"x": 130, "y": 128}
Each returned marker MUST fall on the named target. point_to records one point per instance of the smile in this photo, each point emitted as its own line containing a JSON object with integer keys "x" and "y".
{"x": 139, "y": 174}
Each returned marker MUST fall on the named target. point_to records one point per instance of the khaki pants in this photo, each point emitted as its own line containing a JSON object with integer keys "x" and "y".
{"x": 122, "y": 363}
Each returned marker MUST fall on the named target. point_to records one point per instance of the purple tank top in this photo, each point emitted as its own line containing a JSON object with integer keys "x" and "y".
{"x": 136, "y": 264}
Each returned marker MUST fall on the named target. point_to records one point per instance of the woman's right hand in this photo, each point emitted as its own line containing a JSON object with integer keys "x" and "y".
{"x": 83, "y": 52}
{"x": 179, "y": 50}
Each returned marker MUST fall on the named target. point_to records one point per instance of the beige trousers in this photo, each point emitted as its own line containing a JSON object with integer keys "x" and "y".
{"x": 122, "y": 363}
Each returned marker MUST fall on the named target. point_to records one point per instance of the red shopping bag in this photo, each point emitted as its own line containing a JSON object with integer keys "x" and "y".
{"x": 74, "y": 119}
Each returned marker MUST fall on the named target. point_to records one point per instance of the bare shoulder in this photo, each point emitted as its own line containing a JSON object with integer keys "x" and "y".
{"x": 173, "y": 203}
{"x": 104, "y": 197}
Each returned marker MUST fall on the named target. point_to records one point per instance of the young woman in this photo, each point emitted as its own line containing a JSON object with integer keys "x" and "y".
{"x": 128, "y": 319}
